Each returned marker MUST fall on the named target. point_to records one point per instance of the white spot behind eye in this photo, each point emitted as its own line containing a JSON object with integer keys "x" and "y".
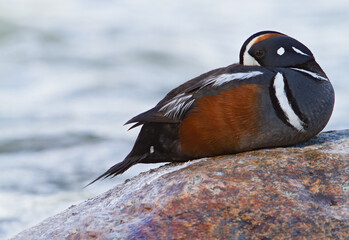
{"x": 299, "y": 51}
{"x": 151, "y": 150}
{"x": 280, "y": 51}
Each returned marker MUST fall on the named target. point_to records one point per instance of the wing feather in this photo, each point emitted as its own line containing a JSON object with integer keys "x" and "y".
{"x": 178, "y": 102}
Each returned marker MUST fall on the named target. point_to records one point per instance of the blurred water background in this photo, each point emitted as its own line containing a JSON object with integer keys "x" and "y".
{"x": 72, "y": 72}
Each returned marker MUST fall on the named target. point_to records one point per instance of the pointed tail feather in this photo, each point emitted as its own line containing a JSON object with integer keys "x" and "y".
{"x": 119, "y": 167}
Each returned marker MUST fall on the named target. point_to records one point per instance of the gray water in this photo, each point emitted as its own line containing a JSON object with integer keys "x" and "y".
{"x": 73, "y": 72}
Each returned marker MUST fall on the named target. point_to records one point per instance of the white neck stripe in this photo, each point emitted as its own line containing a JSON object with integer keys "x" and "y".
{"x": 284, "y": 103}
{"x": 314, "y": 75}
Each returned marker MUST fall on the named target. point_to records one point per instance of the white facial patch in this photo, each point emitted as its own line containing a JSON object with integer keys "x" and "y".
{"x": 280, "y": 51}
{"x": 151, "y": 150}
{"x": 299, "y": 51}
{"x": 284, "y": 103}
{"x": 248, "y": 60}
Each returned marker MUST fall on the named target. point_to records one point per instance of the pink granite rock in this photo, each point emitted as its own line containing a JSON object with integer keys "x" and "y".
{"x": 297, "y": 192}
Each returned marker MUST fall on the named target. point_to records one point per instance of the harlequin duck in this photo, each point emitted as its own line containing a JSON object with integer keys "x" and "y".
{"x": 277, "y": 95}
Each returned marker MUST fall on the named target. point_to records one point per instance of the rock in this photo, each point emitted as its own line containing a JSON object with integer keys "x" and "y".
{"x": 299, "y": 192}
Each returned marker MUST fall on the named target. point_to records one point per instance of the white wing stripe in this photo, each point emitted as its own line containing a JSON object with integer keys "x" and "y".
{"x": 177, "y": 106}
{"x": 217, "y": 81}
{"x": 180, "y": 103}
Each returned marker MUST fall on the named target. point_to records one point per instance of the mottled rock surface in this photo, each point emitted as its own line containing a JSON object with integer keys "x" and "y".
{"x": 297, "y": 192}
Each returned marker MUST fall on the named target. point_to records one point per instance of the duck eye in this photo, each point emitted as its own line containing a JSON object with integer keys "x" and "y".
{"x": 259, "y": 53}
